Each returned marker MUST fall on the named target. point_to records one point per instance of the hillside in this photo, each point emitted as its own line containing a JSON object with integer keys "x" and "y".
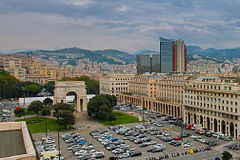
{"x": 232, "y": 55}
{"x": 72, "y": 55}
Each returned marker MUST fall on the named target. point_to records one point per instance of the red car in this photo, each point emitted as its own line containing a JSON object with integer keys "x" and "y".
{"x": 189, "y": 126}
{"x": 177, "y": 138}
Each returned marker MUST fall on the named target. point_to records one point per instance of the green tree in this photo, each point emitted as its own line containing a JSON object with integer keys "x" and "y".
{"x": 35, "y": 106}
{"x": 46, "y": 111}
{"x": 10, "y": 87}
{"x": 32, "y": 89}
{"x": 103, "y": 113}
{"x": 226, "y": 155}
{"x": 100, "y": 107}
{"x": 64, "y": 113}
{"x": 19, "y": 112}
{"x": 50, "y": 86}
{"x": 48, "y": 102}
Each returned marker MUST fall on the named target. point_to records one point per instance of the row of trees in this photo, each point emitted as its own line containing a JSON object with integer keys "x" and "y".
{"x": 100, "y": 107}
{"x": 11, "y": 87}
{"x": 62, "y": 111}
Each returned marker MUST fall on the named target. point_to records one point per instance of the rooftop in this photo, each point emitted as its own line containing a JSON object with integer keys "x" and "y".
{"x": 11, "y": 143}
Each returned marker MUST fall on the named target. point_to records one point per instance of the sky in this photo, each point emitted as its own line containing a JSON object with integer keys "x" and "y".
{"x": 128, "y": 25}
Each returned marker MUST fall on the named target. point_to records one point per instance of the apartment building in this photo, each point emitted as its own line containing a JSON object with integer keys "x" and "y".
{"x": 115, "y": 83}
{"x": 213, "y": 102}
{"x": 16, "y": 64}
{"x": 160, "y": 92}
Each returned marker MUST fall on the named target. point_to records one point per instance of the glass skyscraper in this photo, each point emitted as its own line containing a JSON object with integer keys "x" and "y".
{"x": 172, "y": 57}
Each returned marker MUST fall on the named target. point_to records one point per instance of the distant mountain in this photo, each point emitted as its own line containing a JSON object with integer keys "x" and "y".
{"x": 72, "y": 55}
{"x": 223, "y": 54}
{"x": 144, "y": 51}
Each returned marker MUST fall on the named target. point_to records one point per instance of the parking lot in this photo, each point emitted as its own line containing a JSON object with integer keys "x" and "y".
{"x": 159, "y": 137}
{"x": 6, "y": 110}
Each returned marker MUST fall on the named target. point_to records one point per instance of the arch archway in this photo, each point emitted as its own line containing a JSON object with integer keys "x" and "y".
{"x": 215, "y": 125}
{"x": 223, "y": 127}
{"x": 201, "y": 120}
{"x": 194, "y": 118}
{"x": 78, "y": 88}
{"x": 231, "y": 129}
{"x": 189, "y": 118}
{"x": 208, "y": 123}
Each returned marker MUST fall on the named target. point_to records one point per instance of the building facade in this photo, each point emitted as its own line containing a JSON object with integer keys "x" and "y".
{"x": 172, "y": 57}
{"x": 115, "y": 83}
{"x": 159, "y": 92}
{"x": 213, "y": 103}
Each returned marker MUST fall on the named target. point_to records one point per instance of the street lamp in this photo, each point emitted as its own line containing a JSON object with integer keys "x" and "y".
{"x": 59, "y": 154}
{"x": 23, "y": 102}
{"x": 46, "y": 126}
{"x": 182, "y": 132}
{"x": 143, "y": 110}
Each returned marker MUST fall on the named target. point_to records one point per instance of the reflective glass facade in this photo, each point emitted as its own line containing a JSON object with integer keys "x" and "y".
{"x": 143, "y": 63}
{"x": 166, "y": 55}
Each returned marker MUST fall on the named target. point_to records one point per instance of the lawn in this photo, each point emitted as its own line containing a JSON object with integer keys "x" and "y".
{"x": 37, "y": 124}
{"x": 121, "y": 118}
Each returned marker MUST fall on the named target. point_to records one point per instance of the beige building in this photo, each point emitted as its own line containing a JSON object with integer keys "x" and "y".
{"x": 213, "y": 103}
{"x": 159, "y": 92}
{"x": 115, "y": 83}
{"x": 16, "y": 65}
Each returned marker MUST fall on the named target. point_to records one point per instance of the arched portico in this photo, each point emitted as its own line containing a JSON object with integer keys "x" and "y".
{"x": 62, "y": 88}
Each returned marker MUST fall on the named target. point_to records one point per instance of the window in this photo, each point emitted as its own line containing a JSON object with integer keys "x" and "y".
{"x": 235, "y": 110}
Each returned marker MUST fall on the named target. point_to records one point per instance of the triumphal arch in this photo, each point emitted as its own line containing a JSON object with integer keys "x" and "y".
{"x": 77, "y": 88}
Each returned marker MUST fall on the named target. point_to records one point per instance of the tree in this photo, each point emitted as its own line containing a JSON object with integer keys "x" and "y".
{"x": 100, "y": 107}
{"x": 46, "y": 111}
{"x": 66, "y": 117}
{"x": 33, "y": 89}
{"x": 103, "y": 113}
{"x": 48, "y": 102}
{"x": 226, "y": 155}
{"x": 10, "y": 87}
{"x": 19, "y": 112}
{"x": 35, "y": 106}
{"x": 64, "y": 113}
{"x": 112, "y": 99}
{"x": 50, "y": 86}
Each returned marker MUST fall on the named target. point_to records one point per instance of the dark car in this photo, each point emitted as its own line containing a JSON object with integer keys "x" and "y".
{"x": 144, "y": 145}
{"x": 177, "y": 144}
{"x": 156, "y": 150}
{"x": 134, "y": 154}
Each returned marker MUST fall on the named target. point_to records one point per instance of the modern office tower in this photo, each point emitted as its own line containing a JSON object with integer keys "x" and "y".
{"x": 166, "y": 55}
{"x": 173, "y": 55}
{"x": 149, "y": 62}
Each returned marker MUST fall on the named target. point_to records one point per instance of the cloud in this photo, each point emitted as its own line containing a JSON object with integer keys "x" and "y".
{"x": 78, "y": 2}
{"x": 127, "y": 25}
{"x": 122, "y": 8}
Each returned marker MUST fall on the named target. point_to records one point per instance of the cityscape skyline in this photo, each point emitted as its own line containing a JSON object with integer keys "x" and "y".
{"x": 120, "y": 25}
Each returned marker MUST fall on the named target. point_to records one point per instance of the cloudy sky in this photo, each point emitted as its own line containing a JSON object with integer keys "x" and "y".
{"x": 128, "y": 25}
